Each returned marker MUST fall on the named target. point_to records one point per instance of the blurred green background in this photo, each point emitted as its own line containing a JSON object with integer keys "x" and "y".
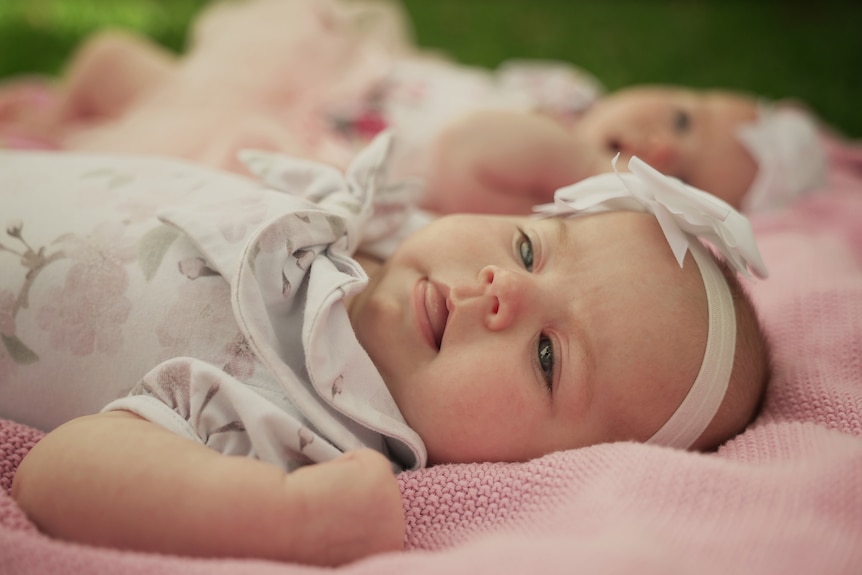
{"x": 807, "y": 50}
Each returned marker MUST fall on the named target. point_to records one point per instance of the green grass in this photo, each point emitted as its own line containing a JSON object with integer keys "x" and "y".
{"x": 808, "y": 50}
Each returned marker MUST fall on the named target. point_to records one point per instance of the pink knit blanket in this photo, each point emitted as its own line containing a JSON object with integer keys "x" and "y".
{"x": 783, "y": 497}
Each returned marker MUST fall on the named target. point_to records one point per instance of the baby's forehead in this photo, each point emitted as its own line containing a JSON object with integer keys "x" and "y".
{"x": 655, "y": 92}
{"x": 616, "y": 236}
{"x": 707, "y": 97}
{"x": 612, "y": 223}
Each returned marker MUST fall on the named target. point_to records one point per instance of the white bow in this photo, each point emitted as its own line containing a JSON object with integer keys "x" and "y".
{"x": 683, "y": 212}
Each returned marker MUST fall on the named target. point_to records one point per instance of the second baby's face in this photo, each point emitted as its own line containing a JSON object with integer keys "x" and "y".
{"x": 688, "y": 134}
{"x": 506, "y": 338}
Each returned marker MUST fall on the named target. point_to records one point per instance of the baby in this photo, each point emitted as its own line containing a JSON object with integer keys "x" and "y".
{"x": 754, "y": 155}
{"x": 479, "y": 338}
{"x": 483, "y": 141}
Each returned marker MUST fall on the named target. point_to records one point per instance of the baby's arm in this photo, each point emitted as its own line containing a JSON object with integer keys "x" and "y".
{"x": 116, "y": 480}
{"x": 505, "y": 162}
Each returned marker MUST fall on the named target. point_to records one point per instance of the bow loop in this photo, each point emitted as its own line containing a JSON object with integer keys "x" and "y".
{"x": 682, "y": 211}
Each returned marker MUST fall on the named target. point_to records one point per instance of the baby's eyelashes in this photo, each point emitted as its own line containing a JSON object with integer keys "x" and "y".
{"x": 524, "y": 247}
{"x": 545, "y": 360}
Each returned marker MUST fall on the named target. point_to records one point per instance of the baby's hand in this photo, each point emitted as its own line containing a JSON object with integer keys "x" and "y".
{"x": 349, "y": 507}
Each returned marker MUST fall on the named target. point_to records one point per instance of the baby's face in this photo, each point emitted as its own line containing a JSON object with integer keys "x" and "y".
{"x": 506, "y": 338}
{"x": 687, "y": 134}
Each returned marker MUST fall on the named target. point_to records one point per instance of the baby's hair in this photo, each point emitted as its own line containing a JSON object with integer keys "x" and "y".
{"x": 752, "y": 369}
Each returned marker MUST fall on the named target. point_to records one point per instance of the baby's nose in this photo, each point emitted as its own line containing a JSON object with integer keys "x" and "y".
{"x": 659, "y": 151}
{"x": 506, "y": 294}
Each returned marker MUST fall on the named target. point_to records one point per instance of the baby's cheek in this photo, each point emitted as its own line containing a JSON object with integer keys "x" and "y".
{"x": 443, "y": 417}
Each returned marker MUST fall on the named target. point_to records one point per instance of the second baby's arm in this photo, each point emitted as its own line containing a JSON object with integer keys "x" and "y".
{"x": 496, "y": 161}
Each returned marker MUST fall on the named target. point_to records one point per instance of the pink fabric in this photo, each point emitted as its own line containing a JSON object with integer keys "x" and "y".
{"x": 783, "y": 497}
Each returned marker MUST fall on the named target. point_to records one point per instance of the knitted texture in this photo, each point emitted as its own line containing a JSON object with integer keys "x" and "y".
{"x": 782, "y": 497}
{"x": 15, "y": 441}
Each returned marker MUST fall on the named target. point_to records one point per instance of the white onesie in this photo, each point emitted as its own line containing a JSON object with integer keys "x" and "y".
{"x": 289, "y": 277}
{"x": 227, "y": 310}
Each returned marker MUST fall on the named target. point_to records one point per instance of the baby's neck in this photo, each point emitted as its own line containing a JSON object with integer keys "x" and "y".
{"x": 371, "y": 265}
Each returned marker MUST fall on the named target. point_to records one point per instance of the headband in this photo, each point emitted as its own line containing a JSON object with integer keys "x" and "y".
{"x": 686, "y": 215}
{"x": 785, "y": 143}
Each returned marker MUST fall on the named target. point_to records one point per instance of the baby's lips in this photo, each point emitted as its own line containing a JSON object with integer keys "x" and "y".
{"x": 436, "y": 306}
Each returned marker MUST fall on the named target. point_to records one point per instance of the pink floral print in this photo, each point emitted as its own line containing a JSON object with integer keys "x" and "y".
{"x": 171, "y": 386}
{"x": 198, "y": 304}
{"x": 195, "y": 267}
{"x": 238, "y": 358}
{"x": 87, "y": 313}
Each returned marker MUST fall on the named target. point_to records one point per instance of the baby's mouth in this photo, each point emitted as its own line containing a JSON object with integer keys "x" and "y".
{"x": 436, "y": 312}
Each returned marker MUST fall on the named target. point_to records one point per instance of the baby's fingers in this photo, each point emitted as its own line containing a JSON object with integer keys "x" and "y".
{"x": 353, "y": 507}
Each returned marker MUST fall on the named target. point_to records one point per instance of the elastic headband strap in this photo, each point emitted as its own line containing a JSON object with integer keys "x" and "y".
{"x": 697, "y": 410}
{"x": 686, "y": 216}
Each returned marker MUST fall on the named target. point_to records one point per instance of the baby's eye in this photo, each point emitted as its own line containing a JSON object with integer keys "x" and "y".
{"x": 545, "y": 358}
{"x": 681, "y": 121}
{"x": 525, "y": 250}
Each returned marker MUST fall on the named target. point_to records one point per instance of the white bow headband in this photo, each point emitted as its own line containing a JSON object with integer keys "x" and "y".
{"x": 684, "y": 214}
